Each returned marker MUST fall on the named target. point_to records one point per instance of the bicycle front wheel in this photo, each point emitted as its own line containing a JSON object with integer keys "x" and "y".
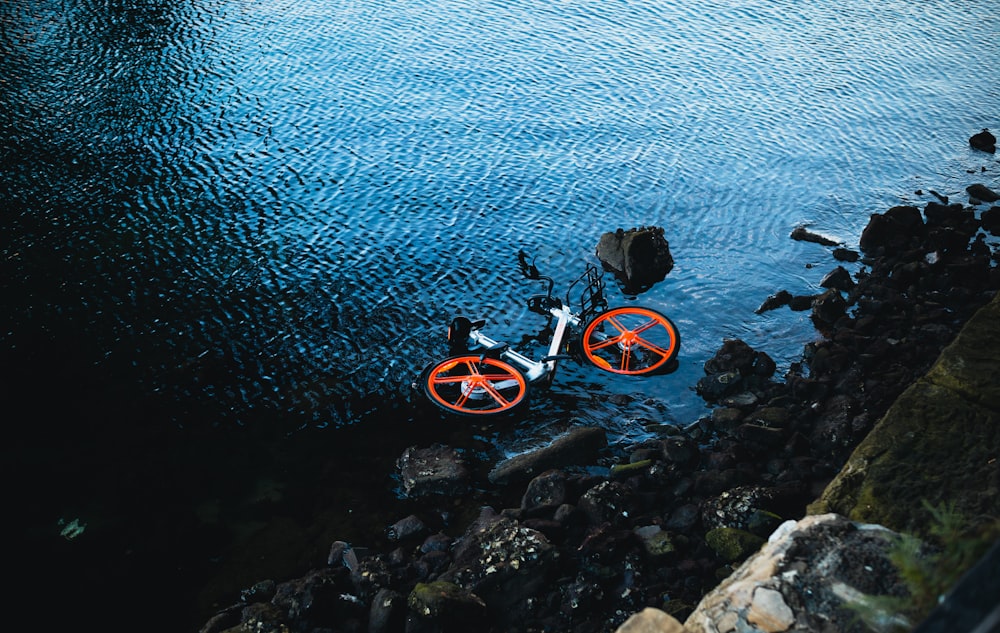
{"x": 630, "y": 340}
{"x": 474, "y": 385}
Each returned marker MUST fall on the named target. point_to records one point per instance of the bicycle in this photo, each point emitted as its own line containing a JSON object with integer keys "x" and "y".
{"x": 483, "y": 376}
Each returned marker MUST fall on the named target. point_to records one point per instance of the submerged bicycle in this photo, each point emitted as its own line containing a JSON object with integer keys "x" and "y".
{"x": 483, "y": 376}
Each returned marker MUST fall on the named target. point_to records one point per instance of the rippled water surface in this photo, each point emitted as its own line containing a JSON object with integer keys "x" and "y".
{"x": 228, "y": 222}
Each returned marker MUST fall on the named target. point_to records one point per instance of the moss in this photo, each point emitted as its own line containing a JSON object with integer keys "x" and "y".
{"x": 732, "y": 544}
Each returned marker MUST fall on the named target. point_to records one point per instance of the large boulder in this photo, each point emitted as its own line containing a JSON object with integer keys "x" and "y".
{"x": 811, "y": 575}
{"x": 638, "y": 257}
{"x": 946, "y": 427}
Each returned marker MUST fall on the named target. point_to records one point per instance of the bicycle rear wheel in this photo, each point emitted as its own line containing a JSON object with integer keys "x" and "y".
{"x": 475, "y": 385}
{"x": 630, "y": 340}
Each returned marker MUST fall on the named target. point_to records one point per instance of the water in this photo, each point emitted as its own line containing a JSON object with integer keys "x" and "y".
{"x": 233, "y": 231}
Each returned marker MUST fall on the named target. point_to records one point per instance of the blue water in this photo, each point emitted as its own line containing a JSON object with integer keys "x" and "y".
{"x": 227, "y": 223}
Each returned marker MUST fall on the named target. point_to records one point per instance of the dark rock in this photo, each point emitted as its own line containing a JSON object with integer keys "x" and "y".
{"x": 262, "y": 591}
{"x": 436, "y": 543}
{"x": 607, "y": 502}
{"x": 684, "y": 518}
{"x": 681, "y": 451}
{"x": 838, "y": 279}
{"x": 733, "y": 355}
{"x": 775, "y": 301}
{"x": 828, "y": 307}
{"x": 405, "y": 528}
{"x": 804, "y": 235}
{"x": 800, "y": 303}
{"x": 983, "y": 141}
{"x": 387, "y": 612}
{"x": 845, "y": 255}
{"x": 438, "y": 470}
{"x": 545, "y": 492}
{"x": 638, "y": 258}
{"x": 991, "y": 220}
{"x": 894, "y": 228}
{"x": 579, "y": 446}
{"x": 982, "y": 193}
{"x": 503, "y": 562}
{"x": 713, "y": 387}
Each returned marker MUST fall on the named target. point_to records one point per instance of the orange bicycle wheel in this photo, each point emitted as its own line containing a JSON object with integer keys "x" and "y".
{"x": 475, "y": 385}
{"x": 630, "y": 340}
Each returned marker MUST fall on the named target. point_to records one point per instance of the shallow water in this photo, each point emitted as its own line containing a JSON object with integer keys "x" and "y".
{"x": 233, "y": 230}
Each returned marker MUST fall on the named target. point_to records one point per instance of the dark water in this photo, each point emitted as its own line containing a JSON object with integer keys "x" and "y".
{"x": 233, "y": 232}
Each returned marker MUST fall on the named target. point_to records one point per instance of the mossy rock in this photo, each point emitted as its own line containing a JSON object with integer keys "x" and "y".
{"x": 732, "y": 544}
{"x": 939, "y": 442}
{"x": 444, "y": 599}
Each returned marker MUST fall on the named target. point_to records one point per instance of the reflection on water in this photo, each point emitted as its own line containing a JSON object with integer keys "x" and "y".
{"x": 227, "y": 222}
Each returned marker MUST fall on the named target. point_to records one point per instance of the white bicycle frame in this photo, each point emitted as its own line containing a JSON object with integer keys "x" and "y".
{"x": 535, "y": 370}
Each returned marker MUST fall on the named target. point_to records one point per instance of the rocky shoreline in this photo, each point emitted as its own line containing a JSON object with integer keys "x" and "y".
{"x": 673, "y": 517}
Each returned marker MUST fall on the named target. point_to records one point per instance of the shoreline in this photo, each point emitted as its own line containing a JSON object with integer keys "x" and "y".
{"x": 581, "y": 552}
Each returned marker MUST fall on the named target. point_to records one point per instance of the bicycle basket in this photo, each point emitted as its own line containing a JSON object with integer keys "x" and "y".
{"x": 592, "y": 298}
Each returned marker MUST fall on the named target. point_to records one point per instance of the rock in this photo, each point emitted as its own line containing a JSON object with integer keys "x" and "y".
{"x": 780, "y": 298}
{"x": 991, "y": 220}
{"x": 838, "y": 279}
{"x": 948, "y": 418}
{"x": 845, "y": 255}
{"x": 438, "y": 470}
{"x": 651, "y": 620}
{"x": 657, "y": 542}
{"x": 387, "y": 612}
{"x": 504, "y": 563}
{"x": 732, "y": 544}
{"x": 545, "y": 492}
{"x": 639, "y": 257}
{"x": 984, "y": 141}
{"x": 892, "y": 229}
{"x": 982, "y": 193}
{"x": 442, "y": 600}
{"x": 804, "y": 235}
{"x": 827, "y": 308}
{"x": 579, "y": 446}
{"x": 605, "y": 503}
{"x": 713, "y": 387}
{"x": 808, "y": 577}
{"x": 733, "y": 355}
{"x": 406, "y": 528}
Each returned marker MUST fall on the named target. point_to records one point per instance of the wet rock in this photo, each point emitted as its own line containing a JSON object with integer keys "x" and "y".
{"x": 801, "y": 303}
{"x": 777, "y": 300}
{"x": 838, "y": 279}
{"x": 715, "y": 386}
{"x": 982, "y": 193}
{"x": 991, "y": 220}
{"x": 845, "y": 255}
{"x": 545, "y": 492}
{"x": 827, "y": 308}
{"x": 983, "y": 141}
{"x": 734, "y": 355}
{"x": 893, "y": 229}
{"x": 438, "y": 470}
{"x": 802, "y": 234}
{"x": 579, "y": 446}
{"x": 638, "y": 258}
